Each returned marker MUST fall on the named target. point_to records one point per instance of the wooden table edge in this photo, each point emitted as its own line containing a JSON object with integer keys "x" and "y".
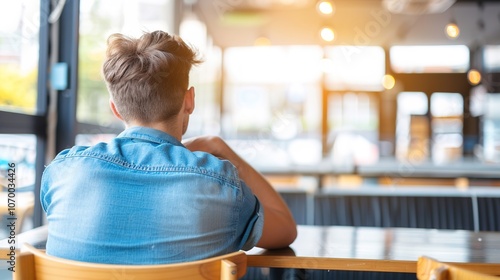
{"x": 331, "y": 263}
{"x": 403, "y": 266}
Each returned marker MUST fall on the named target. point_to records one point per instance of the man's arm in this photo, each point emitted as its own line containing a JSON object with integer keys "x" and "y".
{"x": 280, "y": 229}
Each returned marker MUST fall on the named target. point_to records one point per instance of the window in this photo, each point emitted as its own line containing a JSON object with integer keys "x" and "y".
{"x": 491, "y": 58}
{"x": 22, "y": 106}
{"x": 353, "y": 127}
{"x": 98, "y": 20}
{"x": 205, "y": 78}
{"x": 354, "y": 68}
{"x": 353, "y": 77}
{"x": 447, "y": 125}
{"x": 412, "y": 127}
{"x": 445, "y": 104}
{"x": 19, "y": 28}
{"x": 18, "y": 149}
{"x": 271, "y": 101}
{"x": 430, "y": 59}
{"x": 101, "y": 18}
{"x": 491, "y": 129}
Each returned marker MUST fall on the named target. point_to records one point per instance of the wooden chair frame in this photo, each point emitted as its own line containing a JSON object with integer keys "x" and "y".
{"x": 35, "y": 264}
{"x": 431, "y": 269}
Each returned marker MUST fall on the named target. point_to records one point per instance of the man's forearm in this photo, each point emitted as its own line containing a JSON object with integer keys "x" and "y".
{"x": 279, "y": 226}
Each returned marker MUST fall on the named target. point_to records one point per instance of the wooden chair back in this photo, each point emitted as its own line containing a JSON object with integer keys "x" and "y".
{"x": 431, "y": 269}
{"x": 35, "y": 264}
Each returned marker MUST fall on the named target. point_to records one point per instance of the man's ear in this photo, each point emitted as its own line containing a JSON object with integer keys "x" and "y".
{"x": 114, "y": 110}
{"x": 189, "y": 100}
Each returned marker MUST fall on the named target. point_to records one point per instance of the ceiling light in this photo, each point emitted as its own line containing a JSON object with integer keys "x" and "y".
{"x": 327, "y": 34}
{"x": 326, "y": 7}
{"x": 452, "y": 30}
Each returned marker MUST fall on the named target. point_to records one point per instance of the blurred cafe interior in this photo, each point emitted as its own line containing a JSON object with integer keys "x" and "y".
{"x": 376, "y": 113}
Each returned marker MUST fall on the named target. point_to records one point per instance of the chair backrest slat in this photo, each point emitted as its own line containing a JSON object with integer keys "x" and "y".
{"x": 35, "y": 264}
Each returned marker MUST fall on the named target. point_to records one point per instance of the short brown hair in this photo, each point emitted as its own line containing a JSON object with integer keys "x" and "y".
{"x": 148, "y": 77}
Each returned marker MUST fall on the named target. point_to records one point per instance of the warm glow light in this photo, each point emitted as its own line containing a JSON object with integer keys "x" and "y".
{"x": 388, "y": 81}
{"x": 326, "y": 7}
{"x": 327, "y": 34}
{"x": 262, "y": 41}
{"x": 452, "y": 30}
{"x": 474, "y": 77}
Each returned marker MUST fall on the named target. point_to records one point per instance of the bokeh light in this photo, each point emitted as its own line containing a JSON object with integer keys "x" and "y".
{"x": 388, "y": 81}
{"x": 452, "y": 30}
{"x": 474, "y": 77}
{"x": 326, "y": 7}
{"x": 327, "y": 34}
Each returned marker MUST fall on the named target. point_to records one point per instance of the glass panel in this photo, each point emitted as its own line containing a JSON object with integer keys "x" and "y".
{"x": 353, "y": 127}
{"x": 271, "y": 104}
{"x": 98, "y": 20}
{"x": 412, "y": 127}
{"x": 491, "y": 58}
{"x": 478, "y": 100}
{"x": 273, "y": 65}
{"x": 447, "y": 124}
{"x": 19, "y": 28}
{"x": 444, "y": 104}
{"x": 354, "y": 68}
{"x": 491, "y": 129}
{"x": 205, "y": 78}
{"x": 430, "y": 59}
{"x": 17, "y": 176}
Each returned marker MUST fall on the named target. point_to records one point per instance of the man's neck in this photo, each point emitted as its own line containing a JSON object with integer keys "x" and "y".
{"x": 170, "y": 128}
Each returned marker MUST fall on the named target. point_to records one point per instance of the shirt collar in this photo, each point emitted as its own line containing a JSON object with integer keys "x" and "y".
{"x": 149, "y": 134}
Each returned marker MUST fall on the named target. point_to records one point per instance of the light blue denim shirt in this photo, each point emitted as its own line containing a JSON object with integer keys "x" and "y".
{"x": 144, "y": 198}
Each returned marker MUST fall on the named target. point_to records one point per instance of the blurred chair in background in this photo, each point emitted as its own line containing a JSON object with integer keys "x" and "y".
{"x": 430, "y": 269}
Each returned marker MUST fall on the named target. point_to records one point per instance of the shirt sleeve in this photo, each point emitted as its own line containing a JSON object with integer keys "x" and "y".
{"x": 44, "y": 199}
{"x": 253, "y": 221}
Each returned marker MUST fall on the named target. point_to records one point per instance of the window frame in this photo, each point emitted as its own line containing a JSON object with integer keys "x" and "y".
{"x": 19, "y": 123}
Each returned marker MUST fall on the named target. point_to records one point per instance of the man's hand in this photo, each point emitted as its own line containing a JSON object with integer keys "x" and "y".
{"x": 213, "y": 145}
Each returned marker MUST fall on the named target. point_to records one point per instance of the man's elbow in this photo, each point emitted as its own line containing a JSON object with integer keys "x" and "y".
{"x": 286, "y": 236}
{"x": 291, "y": 235}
